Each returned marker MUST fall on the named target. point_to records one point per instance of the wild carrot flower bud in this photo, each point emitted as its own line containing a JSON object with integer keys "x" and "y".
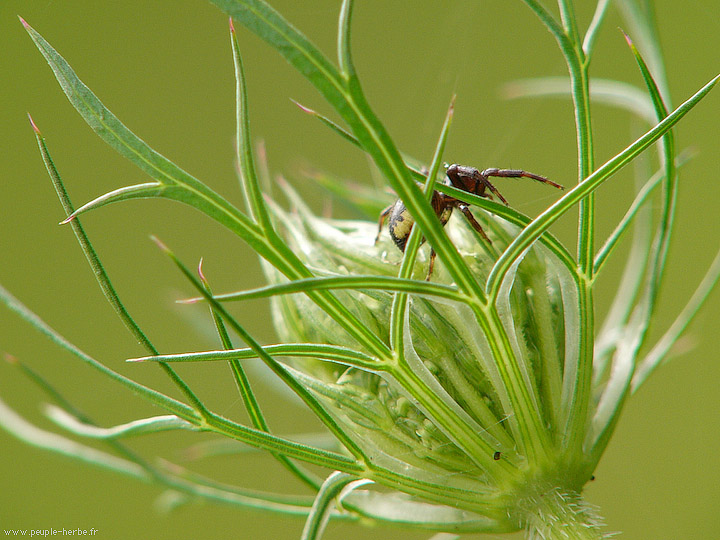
{"x": 449, "y": 424}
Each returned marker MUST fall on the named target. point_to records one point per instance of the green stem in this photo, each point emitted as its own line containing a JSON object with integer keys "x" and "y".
{"x": 555, "y": 515}
{"x": 578, "y": 384}
{"x": 322, "y": 507}
{"x": 581, "y": 99}
{"x": 577, "y": 381}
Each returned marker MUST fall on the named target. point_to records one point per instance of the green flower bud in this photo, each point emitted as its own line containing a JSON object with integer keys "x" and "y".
{"x": 447, "y": 350}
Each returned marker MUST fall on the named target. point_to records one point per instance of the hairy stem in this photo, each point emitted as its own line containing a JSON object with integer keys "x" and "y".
{"x": 555, "y": 515}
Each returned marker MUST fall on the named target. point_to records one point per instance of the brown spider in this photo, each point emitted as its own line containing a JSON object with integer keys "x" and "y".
{"x": 462, "y": 177}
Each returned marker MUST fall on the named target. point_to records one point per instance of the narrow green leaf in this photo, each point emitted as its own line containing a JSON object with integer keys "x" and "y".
{"x": 610, "y": 92}
{"x": 144, "y": 426}
{"x": 88, "y": 250}
{"x": 321, "y": 508}
{"x": 290, "y": 505}
{"x": 653, "y": 89}
{"x": 629, "y": 216}
{"x": 49, "y": 389}
{"x": 250, "y": 183}
{"x": 341, "y": 355}
{"x": 413, "y": 165}
{"x": 147, "y": 190}
{"x": 635, "y": 332}
{"x": 595, "y": 24}
{"x": 550, "y": 23}
{"x": 241, "y": 380}
{"x": 398, "y": 310}
{"x": 99, "y": 272}
{"x": 267, "y": 23}
{"x": 421, "y": 288}
{"x": 228, "y": 447}
{"x": 624, "y": 224}
{"x": 329, "y": 123}
{"x": 107, "y": 125}
{"x": 640, "y": 18}
{"x": 104, "y": 123}
{"x": 665, "y": 227}
{"x": 23, "y": 430}
{"x": 69, "y": 408}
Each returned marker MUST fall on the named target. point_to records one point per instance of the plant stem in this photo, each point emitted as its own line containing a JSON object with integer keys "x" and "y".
{"x": 554, "y": 515}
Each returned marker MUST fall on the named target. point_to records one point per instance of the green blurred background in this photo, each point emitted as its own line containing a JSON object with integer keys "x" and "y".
{"x": 165, "y": 69}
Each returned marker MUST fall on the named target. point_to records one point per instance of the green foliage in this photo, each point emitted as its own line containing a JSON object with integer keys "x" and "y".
{"x": 470, "y": 396}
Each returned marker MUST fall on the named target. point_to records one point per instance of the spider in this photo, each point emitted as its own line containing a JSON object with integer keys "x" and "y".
{"x": 462, "y": 177}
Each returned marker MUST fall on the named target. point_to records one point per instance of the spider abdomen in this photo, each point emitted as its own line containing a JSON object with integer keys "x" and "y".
{"x": 401, "y": 222}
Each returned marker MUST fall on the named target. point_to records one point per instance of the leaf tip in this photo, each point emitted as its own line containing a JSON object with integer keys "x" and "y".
{"x": 24, "y": 23}
{"x": 160, "y": 244}
{"x": 34, "y": 125}
{"x": 628, "y": 40}
{"x": 232, "y": 26}
{"x": 201, "y": 274}
{"x": 68, "y": 219}
{"x": 302, "y": 107}
{"x": 10, "y": 359}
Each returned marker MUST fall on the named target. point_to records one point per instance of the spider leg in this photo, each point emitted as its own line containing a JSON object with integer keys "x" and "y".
{"x": 431, "y": 266}
{"x": 518, "y": 173}
{"x": 381, "y": 221}
{"x": 473, "y": 222}
{"x": 483, "y": 178}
